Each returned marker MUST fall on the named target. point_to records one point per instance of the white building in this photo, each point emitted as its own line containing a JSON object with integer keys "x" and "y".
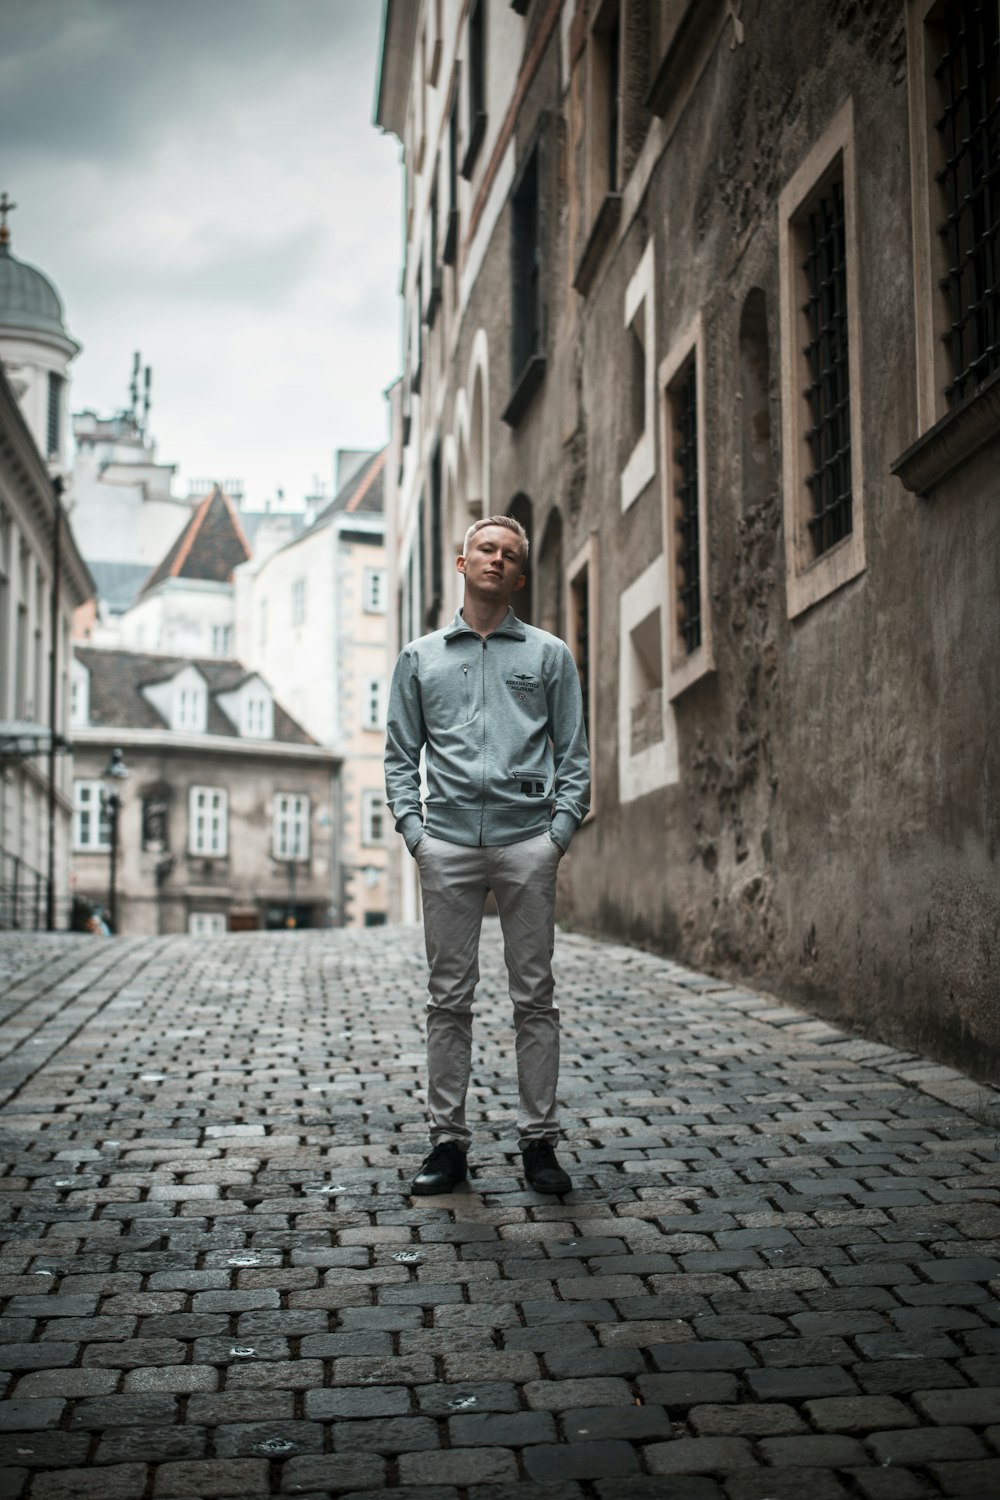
{"x": 311, "y": 618}
{"x": 185, "y": 607}
{"x": 124, "y": 510}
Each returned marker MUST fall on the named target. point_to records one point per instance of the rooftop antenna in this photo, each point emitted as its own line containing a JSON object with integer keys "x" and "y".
{"x": 147, "y": 383}
{"x": 134, "y": 387}
{"x": 6, "y": 207}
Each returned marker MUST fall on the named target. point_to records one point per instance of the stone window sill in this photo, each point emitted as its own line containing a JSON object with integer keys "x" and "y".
{"x": 959, "y": 435}
{"x": 604, "y": 226}
{"x": 476, "y": 135}
{"x": 529, "y": 380}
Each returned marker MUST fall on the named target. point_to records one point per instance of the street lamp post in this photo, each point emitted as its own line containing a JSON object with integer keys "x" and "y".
{"x": 115, "y": 771}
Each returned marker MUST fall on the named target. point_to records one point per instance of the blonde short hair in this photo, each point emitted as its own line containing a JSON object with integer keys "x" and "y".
{"x": 511, "y": 525}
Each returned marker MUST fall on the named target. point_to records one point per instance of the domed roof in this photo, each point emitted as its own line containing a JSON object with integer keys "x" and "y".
{"x": 28, "y": 300}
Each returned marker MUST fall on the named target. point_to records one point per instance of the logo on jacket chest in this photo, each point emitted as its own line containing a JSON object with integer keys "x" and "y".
{"x": 523, "y": 685}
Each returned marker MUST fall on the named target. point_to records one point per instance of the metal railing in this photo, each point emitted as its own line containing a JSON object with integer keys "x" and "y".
{"x": 24, "y": 896}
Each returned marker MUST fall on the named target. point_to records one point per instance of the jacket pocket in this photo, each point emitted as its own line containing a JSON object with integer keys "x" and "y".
{"x": 528, "y": 783}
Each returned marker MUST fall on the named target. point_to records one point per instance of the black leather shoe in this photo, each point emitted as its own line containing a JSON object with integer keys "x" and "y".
{"x": 442, "y": 1171}
{"x": 541, "y": 1170}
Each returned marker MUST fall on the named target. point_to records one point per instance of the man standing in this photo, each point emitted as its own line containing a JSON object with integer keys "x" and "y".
{"x": 496, "y": 705}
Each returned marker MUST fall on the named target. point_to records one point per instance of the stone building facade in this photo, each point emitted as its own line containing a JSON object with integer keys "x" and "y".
{"x": 705, "y": 292}
{"x": 43, "y": 579}
{"x": 226, "y": 815}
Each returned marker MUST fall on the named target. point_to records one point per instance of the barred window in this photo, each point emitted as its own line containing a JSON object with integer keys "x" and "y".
{"x": 822, "y": 379}
{"x": 828, "y": 390}
{"x": 968, "y": 79}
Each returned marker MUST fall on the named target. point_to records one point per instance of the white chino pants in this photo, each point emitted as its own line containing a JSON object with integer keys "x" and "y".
{"x": 455, "y": 881}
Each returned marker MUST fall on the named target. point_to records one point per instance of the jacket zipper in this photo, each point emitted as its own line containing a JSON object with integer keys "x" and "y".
{"x": 482, "y": 800}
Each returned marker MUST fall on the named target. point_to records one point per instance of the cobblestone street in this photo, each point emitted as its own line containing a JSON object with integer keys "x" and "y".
{"x": 775, "y": 1278}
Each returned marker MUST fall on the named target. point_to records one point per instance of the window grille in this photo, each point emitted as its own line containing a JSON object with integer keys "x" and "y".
{"x": 828, "y": 392}
{"x": 968, "y": 74}
{"x": 684, "y": 400}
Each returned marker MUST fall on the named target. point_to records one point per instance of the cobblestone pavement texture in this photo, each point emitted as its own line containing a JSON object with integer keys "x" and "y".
{"x": 776, "y": 1276}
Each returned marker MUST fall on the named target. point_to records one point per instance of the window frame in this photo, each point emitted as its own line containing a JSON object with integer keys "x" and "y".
{"x": 194, "y": 844}
{"x": 373, "y": 702}
{"x": 584, "y": 565}
{"x": 97, "y": 813}
{"x": 640, "y": 466}
{"x": 810, "y": 579}
{"x": 527, "y": 210}
{"x": 477, "y": 40}
{"x": 946, "y": 435}
{"x": 373, "y": 805}
{"x": 683, "y": 667}
{"x": 374, "y": 591}
{"x": 295, "y": 814}
{"x": 657, "y": 764}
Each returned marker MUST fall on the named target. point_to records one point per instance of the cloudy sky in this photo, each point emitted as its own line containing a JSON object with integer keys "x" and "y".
{"x": 201, "y": 181}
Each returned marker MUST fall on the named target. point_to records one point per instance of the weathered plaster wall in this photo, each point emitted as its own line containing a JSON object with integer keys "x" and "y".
{"x": 833, "y": 833}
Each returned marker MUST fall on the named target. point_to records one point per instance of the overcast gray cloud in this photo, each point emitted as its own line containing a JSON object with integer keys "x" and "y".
{"x": 201, "y": 180}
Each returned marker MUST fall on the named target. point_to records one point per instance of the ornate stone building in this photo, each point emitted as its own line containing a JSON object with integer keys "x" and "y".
{"x": 42, "y": 580}
{"x": 706, "y": 293}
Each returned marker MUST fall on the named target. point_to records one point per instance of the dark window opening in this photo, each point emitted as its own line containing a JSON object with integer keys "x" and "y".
{"x": 580, "y": 645}
{"x": 477, "y": 84}
{"x": 613, "y": 43}
{"x": 684, "y": 399}
{"x": 53, "y": 431}
{"x": 375, "y": 919}
{"x": 434, "y": 294}
{"x": 828, "y": 391}
{"x": 450, "y": 246}
{"x": 435, "y": 582}
{"x": 968, "y": 76}
{"x": 526, "y": 255}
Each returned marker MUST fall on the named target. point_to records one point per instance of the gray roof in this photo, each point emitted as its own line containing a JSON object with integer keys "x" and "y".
{"x": 118, "y": 702}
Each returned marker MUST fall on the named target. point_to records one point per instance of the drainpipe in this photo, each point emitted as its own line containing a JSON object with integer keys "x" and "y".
{"x": 50, "y": 896}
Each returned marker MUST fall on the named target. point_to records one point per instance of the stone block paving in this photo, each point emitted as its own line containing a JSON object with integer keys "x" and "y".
{"x": 776, "y": 1276}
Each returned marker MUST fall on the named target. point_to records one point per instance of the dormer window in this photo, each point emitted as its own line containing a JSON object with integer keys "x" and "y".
{"x": 79, "y": 695}
{"x": 257, "y": 717}
{"x": 190, "y": 708}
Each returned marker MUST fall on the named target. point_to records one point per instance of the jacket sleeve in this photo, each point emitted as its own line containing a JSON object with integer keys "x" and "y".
{"x": 569, "y": 742}
{"x": 404, "y": 739}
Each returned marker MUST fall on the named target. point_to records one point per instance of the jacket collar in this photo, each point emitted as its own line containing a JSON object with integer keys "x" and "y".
{"x": 509, "y": 625}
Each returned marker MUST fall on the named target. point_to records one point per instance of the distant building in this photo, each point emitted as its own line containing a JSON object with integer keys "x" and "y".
{"x": 42, "y": 580}
{"x": 227, "y": 816}
{"x": 124, "y": 509}
{"x": 707, "y": 293}
{"x": 312, "y": 616}
{"x": 185, "y": 606}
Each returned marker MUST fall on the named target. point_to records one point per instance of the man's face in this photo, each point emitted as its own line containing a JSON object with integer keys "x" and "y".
{"x": 493, "y": 566}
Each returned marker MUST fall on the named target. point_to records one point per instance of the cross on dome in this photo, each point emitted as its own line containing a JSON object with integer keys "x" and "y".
{"x": 6, "y": 207}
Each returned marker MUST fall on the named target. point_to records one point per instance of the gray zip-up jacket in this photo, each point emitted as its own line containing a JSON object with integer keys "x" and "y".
{"x": 502, "y": 722}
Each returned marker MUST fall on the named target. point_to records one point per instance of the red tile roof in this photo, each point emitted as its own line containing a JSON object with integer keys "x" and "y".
{"x": 211, "y": 545}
